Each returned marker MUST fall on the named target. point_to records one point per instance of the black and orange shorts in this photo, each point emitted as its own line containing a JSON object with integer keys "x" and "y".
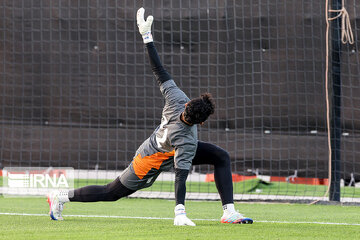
{"x": 143, "y": 171}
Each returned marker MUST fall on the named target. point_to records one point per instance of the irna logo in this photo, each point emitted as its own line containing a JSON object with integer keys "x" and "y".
{"x": 36, "y": 181}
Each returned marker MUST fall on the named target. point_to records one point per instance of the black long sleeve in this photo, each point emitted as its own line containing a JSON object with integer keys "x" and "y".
{"x": 159, "y": 71}
{"x": 180, "y": 185}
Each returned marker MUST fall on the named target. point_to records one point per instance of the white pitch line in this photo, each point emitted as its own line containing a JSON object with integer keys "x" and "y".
{"x": 159, "y": 218}
{"x": 321, "y": 223}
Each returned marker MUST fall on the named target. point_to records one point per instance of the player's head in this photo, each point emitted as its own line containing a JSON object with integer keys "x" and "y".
{"x": 199, "y": 109}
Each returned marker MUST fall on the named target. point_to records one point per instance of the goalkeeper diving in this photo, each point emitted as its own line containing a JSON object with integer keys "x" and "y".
{"x": 173, "y": 144}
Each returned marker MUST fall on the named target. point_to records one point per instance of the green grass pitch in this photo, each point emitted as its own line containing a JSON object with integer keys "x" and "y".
{"x": 292, "y": 221}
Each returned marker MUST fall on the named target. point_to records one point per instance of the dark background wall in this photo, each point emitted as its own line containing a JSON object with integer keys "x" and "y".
{"x": 76, "y": 89}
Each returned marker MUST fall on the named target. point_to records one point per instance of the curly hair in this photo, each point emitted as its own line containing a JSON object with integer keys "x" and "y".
{"x": 199, "y": 109}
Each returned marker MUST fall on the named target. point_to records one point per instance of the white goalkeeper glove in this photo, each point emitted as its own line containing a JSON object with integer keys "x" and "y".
{"x": 144, "y": 26}
{"x": 180, "y": 217}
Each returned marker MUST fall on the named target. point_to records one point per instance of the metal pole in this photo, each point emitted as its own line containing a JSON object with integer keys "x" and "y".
{"x": 336, "y": 104}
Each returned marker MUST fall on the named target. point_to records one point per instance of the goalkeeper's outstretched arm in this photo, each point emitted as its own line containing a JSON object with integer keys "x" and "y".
{"x": 159, "y": 71}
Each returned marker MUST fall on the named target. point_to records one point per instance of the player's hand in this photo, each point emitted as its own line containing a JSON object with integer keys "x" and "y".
{"x": 144, "y": 26}
{"x": 180, "y": 217}
{"x": 183, "y": 220}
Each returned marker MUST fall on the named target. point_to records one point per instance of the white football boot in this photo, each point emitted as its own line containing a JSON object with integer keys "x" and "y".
{"x": 235, "y": 218}
{"x": 56, "y": 205}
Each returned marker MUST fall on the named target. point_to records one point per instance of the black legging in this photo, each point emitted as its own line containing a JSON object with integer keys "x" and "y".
{"x": 94, "y": 193}
{"x": 206, "y": 153}
{"x": 211, "y": 154}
